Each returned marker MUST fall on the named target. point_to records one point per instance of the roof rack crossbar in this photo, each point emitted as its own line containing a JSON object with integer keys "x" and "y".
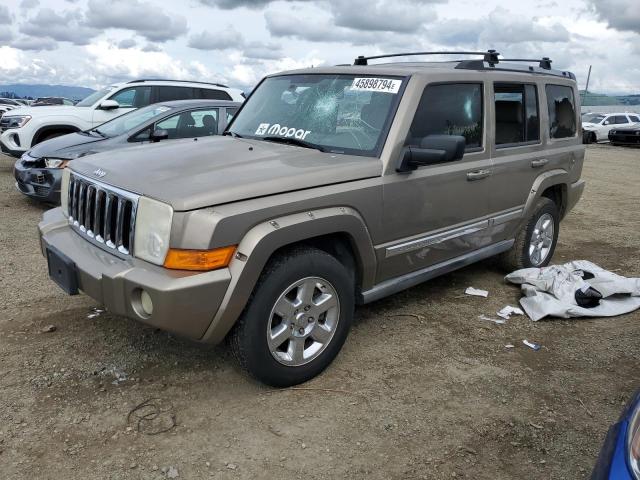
{"x": 490, "y": 56}
{"x": 140, "y": 80}
{"x": 544, "y": 62}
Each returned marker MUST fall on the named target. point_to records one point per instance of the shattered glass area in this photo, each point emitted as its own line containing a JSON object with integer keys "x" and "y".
{"x": 323, "y": 110}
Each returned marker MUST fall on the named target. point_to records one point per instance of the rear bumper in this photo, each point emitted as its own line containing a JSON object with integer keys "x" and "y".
{"x": 38, "y": 183}
{"x": 183, "y": 302}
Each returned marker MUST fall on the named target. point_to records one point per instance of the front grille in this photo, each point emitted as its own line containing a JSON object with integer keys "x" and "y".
{"x": 41, "y": 190}
{"x": 106, "y": 215}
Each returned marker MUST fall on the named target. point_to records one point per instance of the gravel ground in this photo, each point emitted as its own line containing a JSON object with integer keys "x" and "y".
{"x": 422, "y": 389}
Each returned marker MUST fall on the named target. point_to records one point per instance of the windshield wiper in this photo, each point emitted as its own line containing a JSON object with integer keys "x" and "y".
{"x": 98, "y": 132}
{"x": 233, "y": 134}
{"x": 294, "y": 141}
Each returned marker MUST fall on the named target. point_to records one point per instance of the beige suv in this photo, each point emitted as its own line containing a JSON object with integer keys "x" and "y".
{"x": 331, "y": 187}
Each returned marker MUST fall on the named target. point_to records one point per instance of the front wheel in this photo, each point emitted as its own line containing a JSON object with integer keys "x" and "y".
{"x": 536, "y": 241}
{"x": 297, "y": 318}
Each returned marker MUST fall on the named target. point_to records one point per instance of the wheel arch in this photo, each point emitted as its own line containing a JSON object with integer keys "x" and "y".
{"x": 552, "y": 184}
{"x": 48, "y": 129}
{"x": 340, "y": 231}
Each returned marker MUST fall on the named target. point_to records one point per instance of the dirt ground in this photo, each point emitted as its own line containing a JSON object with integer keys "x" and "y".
{"x": 422, "y": 389}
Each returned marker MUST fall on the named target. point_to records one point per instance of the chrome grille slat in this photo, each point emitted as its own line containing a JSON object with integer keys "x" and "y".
{"x": 99, "y": 212}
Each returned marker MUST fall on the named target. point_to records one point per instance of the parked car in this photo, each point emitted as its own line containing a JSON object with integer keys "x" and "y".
{"x": 26, "y": 127}
{"x": 39, "y": 171}
{"x": 7, "y": 104}
{"x": 625, "y": 135}
{"x": 596, "y": 126}
{"x": 48, "y": 101}
{"x": 331, "y": 186}
{"x": 619, "y": 458}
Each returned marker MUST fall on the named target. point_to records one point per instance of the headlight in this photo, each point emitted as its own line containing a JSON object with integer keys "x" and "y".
{"x": 55, "y": 163}
{"x": 17, "y": 121}
{"x": 64, "y": 192}
{"x": 153, "y": 228}
{"x": 633, "y": 443}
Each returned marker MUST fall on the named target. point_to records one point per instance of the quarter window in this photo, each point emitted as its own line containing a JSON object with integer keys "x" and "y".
{"x": 211, "y": 94}
{"x": 449, "y": 109}
{"x": 517, "y": 119}
{"x": 562, "y": 111}
{"x": 135, "y": 97}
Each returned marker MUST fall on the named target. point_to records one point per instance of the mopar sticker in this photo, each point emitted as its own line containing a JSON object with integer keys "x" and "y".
{"x": 386, "y": 85}
{"x": 282, "y": 131}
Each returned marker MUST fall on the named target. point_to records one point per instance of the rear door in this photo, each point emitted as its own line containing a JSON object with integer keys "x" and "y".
{"x": 438, "y": 212}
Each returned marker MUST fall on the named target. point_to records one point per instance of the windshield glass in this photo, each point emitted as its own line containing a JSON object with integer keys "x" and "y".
{"x": 94, "y": 97}
{"x": 593, "y": 118}
{"x": 131, "y": 120}
{"x": 338, "y": 113}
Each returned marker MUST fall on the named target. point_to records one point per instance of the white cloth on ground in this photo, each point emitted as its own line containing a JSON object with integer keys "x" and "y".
{"x": 550, "y": 291}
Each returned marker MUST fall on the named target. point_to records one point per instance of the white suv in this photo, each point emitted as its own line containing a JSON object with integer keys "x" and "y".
{"x": 596, "y": 126}
{"x": 22, "y": 128}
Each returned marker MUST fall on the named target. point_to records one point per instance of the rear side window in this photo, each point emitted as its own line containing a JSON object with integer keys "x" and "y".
{"x": 620, "y": 119}
{"x": 449, "y": 109}
{"x": 211, "y": 94}
{"x": 517, "y": 119}
{"x": 166, "y": 94}
{"x": 562, "y": 111}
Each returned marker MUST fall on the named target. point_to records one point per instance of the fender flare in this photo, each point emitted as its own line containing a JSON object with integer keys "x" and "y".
{"x": 259, "y": 244}
{"x": 545, "y": 180}
{"x": 48, "y": 128}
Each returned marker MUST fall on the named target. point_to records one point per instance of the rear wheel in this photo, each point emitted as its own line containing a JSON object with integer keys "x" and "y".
{"x": 536, "y": 241}
{"x": 297, "y": 319}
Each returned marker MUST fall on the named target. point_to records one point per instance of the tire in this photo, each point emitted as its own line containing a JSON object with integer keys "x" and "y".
{"x": 264, "y": 342}
{"x": 527, "y": 240}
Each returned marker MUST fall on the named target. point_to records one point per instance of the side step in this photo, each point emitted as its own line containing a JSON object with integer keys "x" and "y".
{"x": 397, "y": 284}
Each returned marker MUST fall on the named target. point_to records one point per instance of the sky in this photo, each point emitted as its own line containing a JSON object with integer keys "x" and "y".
{"x": 93, "y": 43}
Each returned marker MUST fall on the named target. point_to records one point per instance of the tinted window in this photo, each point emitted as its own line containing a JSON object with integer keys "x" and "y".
{"x": 210, "y": 94}
{"x": 131, "y": 120}
{"x": 517, "y": 119}
{"x": 191, "y": 124}
{"x": 592, "y": 117}
{"x": 562, "y": 112}
{"x": 133, "y": 97}
{"x": 166, "y": 94}
{"x": 633, "y": 118}
{"x": 230, "y": 113}
{"x": 451, "y": 109}
{"x": 619, "y": 119}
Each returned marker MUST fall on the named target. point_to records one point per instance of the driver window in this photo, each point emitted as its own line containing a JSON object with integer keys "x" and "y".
{"x": 449, "y": 109}
{"x": 134, "y": 97}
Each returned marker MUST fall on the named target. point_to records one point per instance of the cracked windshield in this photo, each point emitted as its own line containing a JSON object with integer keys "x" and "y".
{"x": 334, "y": 113}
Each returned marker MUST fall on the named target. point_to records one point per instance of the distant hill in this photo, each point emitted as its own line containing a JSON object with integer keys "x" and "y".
{"x": 595, "y": 99}
{"x": 34, "y": 91}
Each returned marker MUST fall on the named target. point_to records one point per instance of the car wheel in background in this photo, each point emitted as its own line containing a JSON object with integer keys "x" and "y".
{"x": 536, "y": 240}
{"x": 297, "y": 319}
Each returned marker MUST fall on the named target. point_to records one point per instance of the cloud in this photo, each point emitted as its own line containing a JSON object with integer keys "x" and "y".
{"x": 623, "y": 15}
{"x": 263, "y": 51}
{"x": 127, "y": 43}
{"x": 233, "y": 4}
{"x": 5, "y": 15}
{"x": 150, "y": 47}
{"x": 218, "y": 40}
{"x": 6, "y": 35}
{"x": 25, "y": 4}
{"x": 65, "y": 27}
{"x": 34, "y": 43}
{"x": 404, "y": 16}
{"x": 146, "y": 19}
{"x": 16, "y": 65}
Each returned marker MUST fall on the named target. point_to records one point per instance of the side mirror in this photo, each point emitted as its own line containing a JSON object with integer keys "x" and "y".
{"x": 433, "y": 149}
{"x": 606, "y": 122}
{"x": 159, "y": 134}
{"x": 109, "y": 105}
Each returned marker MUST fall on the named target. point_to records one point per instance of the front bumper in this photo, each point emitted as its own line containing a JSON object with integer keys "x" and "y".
{"x": 183, "y": 302}
{"x": 10, "y": 143}
{"x": 38, "y": 183}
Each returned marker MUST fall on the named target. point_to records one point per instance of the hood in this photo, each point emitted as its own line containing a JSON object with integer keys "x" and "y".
{"x": 70, "y": 146}
{"x": 43, "y": 110}
{"x": 190, "y": 175}
{"x": 589, "y": 125}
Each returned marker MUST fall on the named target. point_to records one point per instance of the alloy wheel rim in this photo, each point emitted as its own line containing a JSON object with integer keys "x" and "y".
{"x": 541, "y": 239}
{"x": 303, "y": 321}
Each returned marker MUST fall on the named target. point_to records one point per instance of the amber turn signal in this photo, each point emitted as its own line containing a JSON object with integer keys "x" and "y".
{"x": 201, "y": 260}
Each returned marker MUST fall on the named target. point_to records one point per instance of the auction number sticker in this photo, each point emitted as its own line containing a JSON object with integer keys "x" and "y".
{"x": 371, "y": 84}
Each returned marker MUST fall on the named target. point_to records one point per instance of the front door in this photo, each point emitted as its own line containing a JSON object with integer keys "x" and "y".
{"x": 128, "y": 99}
{"x": 438, "y": 212}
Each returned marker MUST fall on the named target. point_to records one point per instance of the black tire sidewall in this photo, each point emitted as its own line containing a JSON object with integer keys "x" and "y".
{"x": 257, "y": 357}
{"x": 545, "y": 205}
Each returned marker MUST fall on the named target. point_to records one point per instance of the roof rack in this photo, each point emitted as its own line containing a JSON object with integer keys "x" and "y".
{"x": 490, "y": 56}
{"x": 544, "y": 62}
{"x": 141, "y": 80}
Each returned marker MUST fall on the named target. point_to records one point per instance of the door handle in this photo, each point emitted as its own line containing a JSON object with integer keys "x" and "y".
{"x": 478, "y": 175}
{"x": 539, "y": 163}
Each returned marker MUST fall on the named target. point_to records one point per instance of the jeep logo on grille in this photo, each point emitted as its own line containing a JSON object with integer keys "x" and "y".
{"x": 99, "y": 173}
